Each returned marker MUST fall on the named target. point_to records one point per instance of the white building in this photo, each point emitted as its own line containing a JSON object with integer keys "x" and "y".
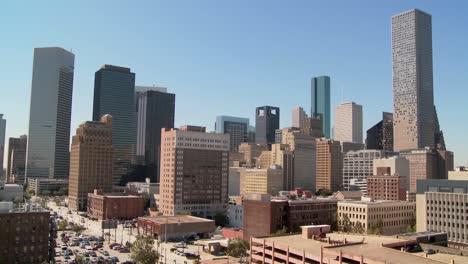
{"x": 348, "y": 123}
{"x": 357, "y": 166}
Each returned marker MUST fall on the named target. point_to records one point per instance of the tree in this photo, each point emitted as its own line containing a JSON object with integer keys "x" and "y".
{"x": 323, "y": 192}
{"x": 78, "y": 228}
{"x": 62, "y": 225}
{"x": 376, "y": 228}
{"x": 143, "y": 251}
{"x": 221, "y": 219}
{"x": 237, "y": 247}
{"x": 80, "y": 260}
{"x": 345, "y": 224}
{"x": 46, "y": 192}
{"x": 358, "y": 228}
{"x": 411, "y": 228}
{"x": 281, "y": 232}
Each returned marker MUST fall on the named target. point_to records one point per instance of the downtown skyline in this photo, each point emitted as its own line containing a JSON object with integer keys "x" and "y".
{"x": 245, "y": 107}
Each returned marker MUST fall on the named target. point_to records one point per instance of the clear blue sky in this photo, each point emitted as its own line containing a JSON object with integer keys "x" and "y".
{"x": 227, "y": 57}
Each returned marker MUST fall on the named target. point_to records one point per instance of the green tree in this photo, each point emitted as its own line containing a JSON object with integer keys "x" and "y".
{"x": 358, "y": 228}
{"x": 411, "y": 228}
{"x": 78, "y": 228}
{"x": 281, "y": 232}
{"x": 221, "y": 219}
{"x": 80, "y": 260}
{"x": 345, "y": 224}
{"x": 143, "y": 251}
{"x": 376, "y": 228}
{"x": 62, "y": 225}
{"x": 237, "y": 248}
{"x": 323, "y": 192}
{"x": 46, "y": 193}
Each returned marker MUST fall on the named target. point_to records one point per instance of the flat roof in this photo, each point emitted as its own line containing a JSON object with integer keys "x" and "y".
{"x": 370, "y": 249}
{"x": 175, "y": 219}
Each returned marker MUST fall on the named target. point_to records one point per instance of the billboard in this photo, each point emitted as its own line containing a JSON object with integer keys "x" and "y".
{"x": 109, "y": 224}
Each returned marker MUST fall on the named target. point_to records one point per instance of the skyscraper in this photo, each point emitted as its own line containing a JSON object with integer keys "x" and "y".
{"x": 329, "y": 165}
{"x": 348, "y": 123}
{"x": 380, "y": 136}
{"x": 50, "y": 113}
{"x": 114, "y": 94}
{"x": 2, "y": 143}
{"x": 413, "y": 99}
{"x": 267, "y": 119}
{"x": 357, "y": 166}
{"x": 298, "y": 117}
{"x": 320, "y": 102}
{"x": 16, "y": 163}
{"x": 236, "y": 127}
{"x": 155, "y": 110}
{"x": 91, "y": 161}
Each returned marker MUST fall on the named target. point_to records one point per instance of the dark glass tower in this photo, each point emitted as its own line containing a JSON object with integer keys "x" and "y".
{"x": 320, "y": 102}
{"x": 267, "y": 119}
{"x": 380, "y": 136}
{"x": 155, "y": 110}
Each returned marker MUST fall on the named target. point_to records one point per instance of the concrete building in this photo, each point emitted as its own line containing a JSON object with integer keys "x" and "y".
{"x": 348, "y": 123}
{"x": 235, "y": 215}
{"x": 267, "y": 120}
{"x": 251, "y": 152}
{"x": 155, "y": 110}
{"x": 114, "y": 94}
{"x": 11, "y": 192}
{"x": 458, "y": 175}
{"x": 91, "y": 161}
{"x": 380, "y": 136}
{"x": 262, "y": 181}
{"x": 176, "y": 227}
{"x": 382, "y": 217}
{"x": 114, "y": 206}
{"x": 357, "y": 166}
{"x": 39, "y": 185}
{"x": 298, "y": 117}
{"x": 280, "y": 156}
{"x": 441, "y": 206}
{"x": 236, "y": 127}
{"x": 47, "y": 153}
{"x": 320, "y": 103}
{"x": 16, "y": 163}
{"x": 25, "y": 233}
{"x": 329, "y": 165}
{"x": 194, "y": 172}
{"x": 397, "y": 165}
{"x": 2, "y": 145}
{"x": 234, "y": 180}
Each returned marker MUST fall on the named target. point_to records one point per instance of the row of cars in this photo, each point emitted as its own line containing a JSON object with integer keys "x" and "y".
{"x": 119, "y": 247}
{"x": 90, "y": 247}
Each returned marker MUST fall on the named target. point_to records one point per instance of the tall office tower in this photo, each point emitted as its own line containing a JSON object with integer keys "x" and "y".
{"x": 155, "y": 110}
{"x": 298, "y": 117}
{"x": 320, "y": 102}
{"x": 91, "y": 161}
{"x": 357, "y": 166}
{"x": 380, "y": 136}
{"x": 16, "y": 163}
{"x": 2, "y": 143}
{"x": 47, "y": 153}
{"x": 114, "y": 94}
{"x": 329, "y": 165}
{"x": 194, "y": 172}
{"x": 267, "y": 120}
{"x": 413, "y": 99}
{"x": 236, "y": 127}
{"x": 348, "y": 123}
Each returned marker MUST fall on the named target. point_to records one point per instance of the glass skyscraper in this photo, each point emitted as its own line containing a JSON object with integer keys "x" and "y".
{"x": 236, "y": 127}
{"x": 320, "y": 102}
{"x": 50, "y": 113}
{"x": 267, "y": 120}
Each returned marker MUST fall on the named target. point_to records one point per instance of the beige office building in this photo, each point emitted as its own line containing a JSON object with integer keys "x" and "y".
{"x": 383, "y": 217}
{"x": 280, "y": 156}
{"x": 91, "y": 161}
{"x": 348, "y": 123}
{"x": 261, "y": 181}
{"x": 329, "y": 165}
{"x": 194, "y": 172}
{"x": 251, "y": 152}
{"x": 398, "y": 165}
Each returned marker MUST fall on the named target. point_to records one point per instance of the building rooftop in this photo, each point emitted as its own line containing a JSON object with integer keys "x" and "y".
{"x": 372, "y": 249}
{"x": 373, "y": 202}
{"x": 178, "y": 219}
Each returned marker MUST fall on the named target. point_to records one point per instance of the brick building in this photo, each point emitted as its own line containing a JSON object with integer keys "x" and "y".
{"x": 387, "y": 187}
{"x": 119, "y": 206}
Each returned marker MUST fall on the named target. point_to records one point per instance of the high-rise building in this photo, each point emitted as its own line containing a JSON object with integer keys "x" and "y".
{"x": 16, "y": 163}
{"x": 329, "y": 165}
{"x": 357, "y": 166}
{"x": 267, "y": 120}
{"x": 413, "y": 99}
{"x": 261, "y": 181}
{"x": 236, "y": 127}
{"x": 155, "y": 110}
{"x": 2, "y": 143}
{"x": 348, "y": 123}
{"x": 251, "y": 152}
{"x": 298, "y": 117}
{"x": 91, "y": 161}
{"x": 194, "y": 172}
{"x": 320, "y": 102}
{"x": 380, "y": 136}
{"x": 114, "y": 94}
{"x": 47, "y": 153}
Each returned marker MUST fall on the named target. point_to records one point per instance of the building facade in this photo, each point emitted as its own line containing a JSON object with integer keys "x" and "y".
{"x": 2, "y": 144}
{"x": 380, "y": 136}
{"x": 382, "y": 217}
{"x": 348, "y": 123}
{"x": 16, "y": 162}
{"x": 329, "y": 165}
{"x": 357, "y": 166}
{"x": 387, "y": 187}
{"x": 298, "y": 117}
{"x": 47, "y": 153}
{"x": 320, "y": 102}
{"x": 413, "y": 99}
{"x": 114, "y": 206}
{"x": 251, "y": 152}
{"x": 114, "y": 94}
{"x": 91, "y": 161}
{"x": 262, "y": 181}
{"x": 194, "y": 172}
{"x": 155, "y": 110}
{"x": 236, "y": 127}
{"x": 267, "y": 120}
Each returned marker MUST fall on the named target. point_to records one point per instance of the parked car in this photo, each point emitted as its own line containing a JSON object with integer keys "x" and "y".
{"x": 429, "y": 251}
{"x": 124, "y": 250}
